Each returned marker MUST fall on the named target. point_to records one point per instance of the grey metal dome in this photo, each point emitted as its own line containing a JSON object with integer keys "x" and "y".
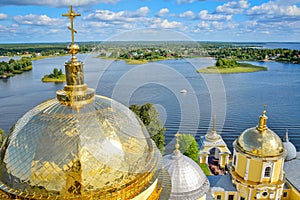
{"x": 291, "y": 152}
{"x": 188, "y": 180}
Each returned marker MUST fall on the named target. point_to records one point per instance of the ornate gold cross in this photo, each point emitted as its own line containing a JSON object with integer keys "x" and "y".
{"x": 71, "y": 15}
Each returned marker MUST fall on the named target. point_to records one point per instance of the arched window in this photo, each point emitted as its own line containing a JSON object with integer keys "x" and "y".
{"x": 268, "y": 172}
{"x": 234, "y": 160}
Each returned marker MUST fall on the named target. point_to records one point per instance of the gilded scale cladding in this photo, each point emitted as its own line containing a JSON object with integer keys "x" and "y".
{"x": 80, "y": 146}
{"x": 260, "y": 141}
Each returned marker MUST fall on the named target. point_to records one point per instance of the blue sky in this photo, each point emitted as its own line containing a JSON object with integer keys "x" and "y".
{"x": 201, "y": 20}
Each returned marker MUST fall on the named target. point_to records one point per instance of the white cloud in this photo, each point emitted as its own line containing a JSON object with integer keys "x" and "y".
{"x": 233, "y": 7}
{"x": 217, "y": 25}
{"x": 159, "y": 23}
{"x": 99, "y": 24}
{"x": 3, "y": 16}
{"x": 204, "y": 15}
{"x": 121, "y": 16}
{"x": 187, "y": 1}
{"x": 266, "y": 32}
{"x": 54, "y": 31}
{"x": 172, "y": 24}
{"x": 162, "y": 12}
{"x": 41, "y": 20}
{"x": 143, "y": 11}
{"x": 271, "y": 10}
{"x": 203, "y": 25}
{"x": 105, "y": 15}
{"x": 188, "y": 15}
{"x": 56, "y": 3}
{"x": 287, "y": 2}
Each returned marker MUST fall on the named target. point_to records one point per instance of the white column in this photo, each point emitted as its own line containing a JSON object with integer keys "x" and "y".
{"x": 247, "y": 170}
{"x": 220, "y": 159}
{"x": 250, "y": 194}
{"x": 273, "y": 171}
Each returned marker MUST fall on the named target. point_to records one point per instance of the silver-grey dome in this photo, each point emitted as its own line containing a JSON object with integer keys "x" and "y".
{"x": 188, "y": 180}
{"x": 291, "y": 151}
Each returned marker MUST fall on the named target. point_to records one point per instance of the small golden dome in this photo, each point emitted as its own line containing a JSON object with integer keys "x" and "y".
{"x": 260, "y": 141}
{"x": 252, "y": 142}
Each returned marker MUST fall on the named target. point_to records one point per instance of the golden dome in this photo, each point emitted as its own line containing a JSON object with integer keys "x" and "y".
{"x": 79, "y": 146}
{"x": 260, "y": 141}
{"x": 98, "y": 151}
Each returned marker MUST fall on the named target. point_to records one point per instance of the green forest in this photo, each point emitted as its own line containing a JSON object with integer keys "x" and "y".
{"x": 13, "y": 67}
{"x": 258, "y": 54}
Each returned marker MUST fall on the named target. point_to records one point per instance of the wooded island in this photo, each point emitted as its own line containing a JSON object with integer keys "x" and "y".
{"x": 226, "y": 66}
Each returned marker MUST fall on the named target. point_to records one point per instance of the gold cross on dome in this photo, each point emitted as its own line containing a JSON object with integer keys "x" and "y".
{"x": 71, "y": 15}
{"x": 177, "y": 135}
{"x": 265, "y": 109}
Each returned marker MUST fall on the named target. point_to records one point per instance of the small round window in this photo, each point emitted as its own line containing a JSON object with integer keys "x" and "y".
{"x": 265, "y": 194}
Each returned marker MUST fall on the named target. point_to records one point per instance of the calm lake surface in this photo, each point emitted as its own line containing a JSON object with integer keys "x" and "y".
{"x": 236, "y": 99}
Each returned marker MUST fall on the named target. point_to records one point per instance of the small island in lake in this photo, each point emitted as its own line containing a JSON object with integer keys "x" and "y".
{"x": 57, "y": 76}
{"x": 224, "y": 66}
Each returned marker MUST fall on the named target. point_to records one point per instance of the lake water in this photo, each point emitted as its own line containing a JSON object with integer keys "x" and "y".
{"x": 236, "y": 99}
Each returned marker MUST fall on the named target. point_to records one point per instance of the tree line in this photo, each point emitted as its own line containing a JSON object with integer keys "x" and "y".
{"x": 15, "y": 66}
{"x": 258, "y": 54}
{"x": 43, "y": 49}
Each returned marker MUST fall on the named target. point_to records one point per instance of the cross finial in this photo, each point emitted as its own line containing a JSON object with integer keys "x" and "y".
{"x": 71, "y": 15}
{"x": 177, "y": 142}
{"x": 265, "y": 109}
{"x": 287, "y": 135}
{"x": 215, "y": 123}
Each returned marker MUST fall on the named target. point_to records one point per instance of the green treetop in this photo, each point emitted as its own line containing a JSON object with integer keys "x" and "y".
{"x": 189, "y": 147}
{"x": 150, "y": 117}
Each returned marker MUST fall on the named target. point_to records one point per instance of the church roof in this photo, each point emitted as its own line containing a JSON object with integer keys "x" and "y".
{"x": 291, "y": 169}
{"x": 221, "y": 182}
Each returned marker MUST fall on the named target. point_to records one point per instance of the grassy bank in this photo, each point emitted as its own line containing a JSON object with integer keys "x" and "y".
{"x": 205, "y": 169}
{"x": 60, "y": 79}
{"x": 136, "y": 62}
{"x": 51, "y": 56}
{"x": 240, "y": 68}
